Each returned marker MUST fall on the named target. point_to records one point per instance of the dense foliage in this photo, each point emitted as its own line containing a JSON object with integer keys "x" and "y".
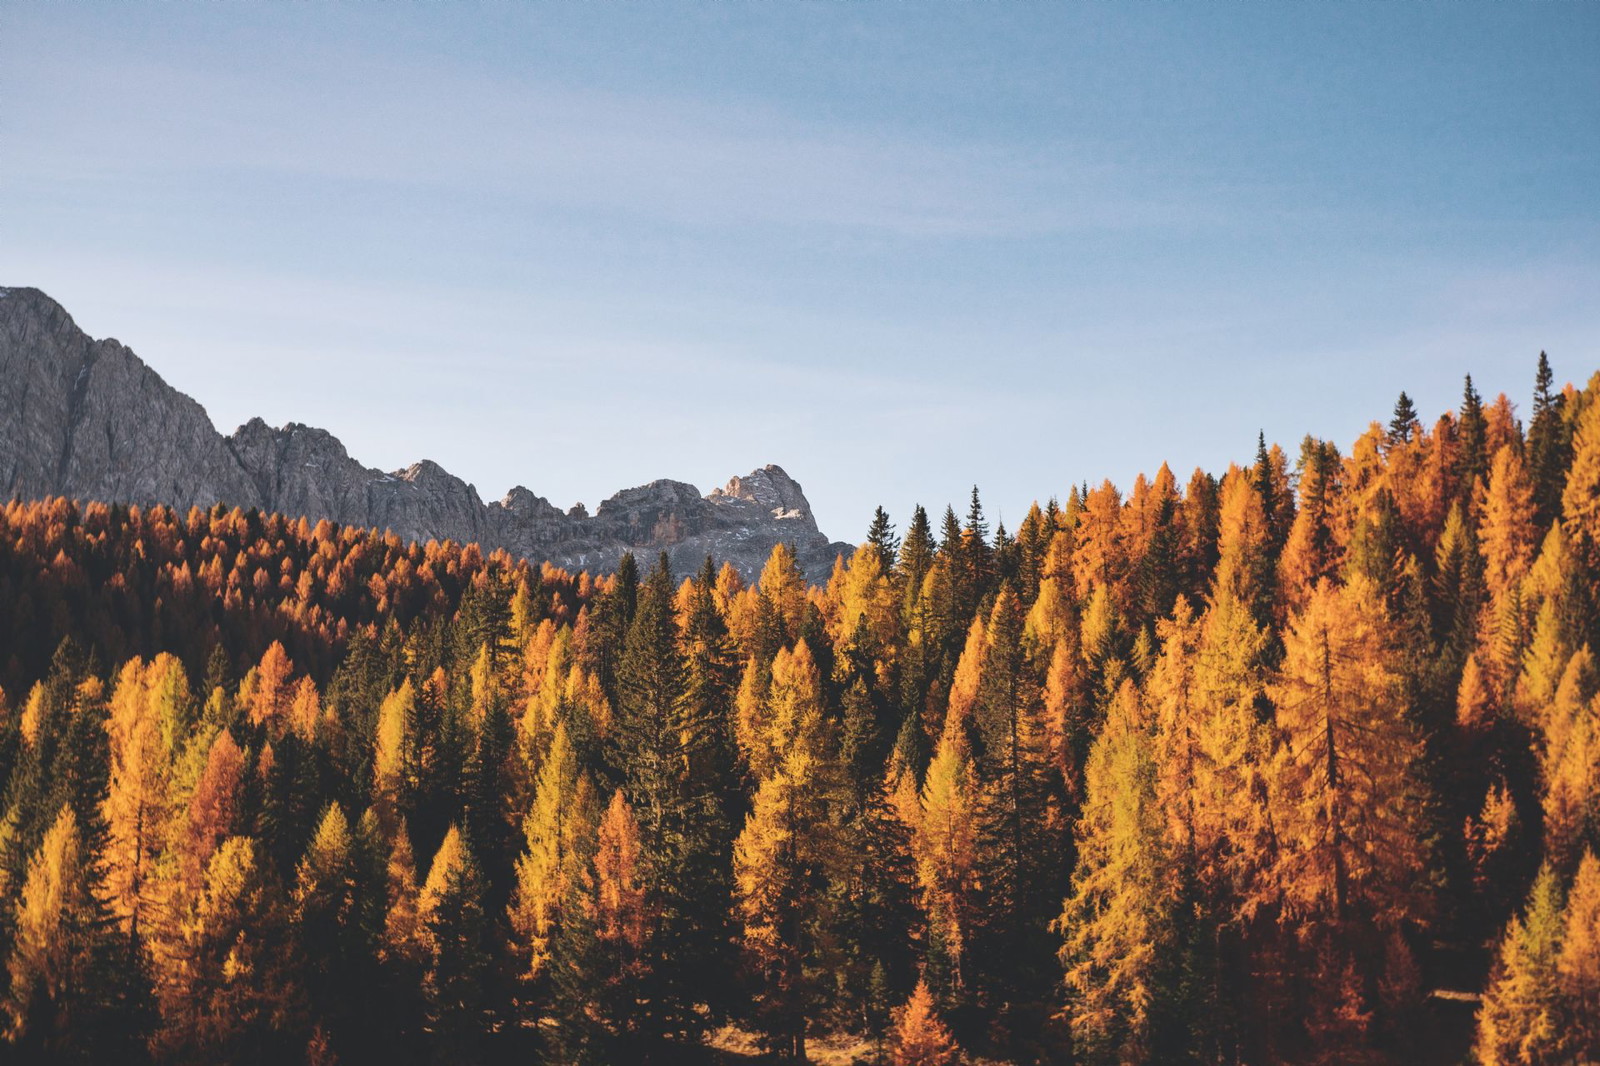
{"x": 1298, "y": 764}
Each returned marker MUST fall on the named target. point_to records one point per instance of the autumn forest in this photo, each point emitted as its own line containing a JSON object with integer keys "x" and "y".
{"x": 1295, "y": 763}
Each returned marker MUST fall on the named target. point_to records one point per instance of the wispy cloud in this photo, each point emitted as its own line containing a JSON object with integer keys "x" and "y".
{"x": 681, "y": 160}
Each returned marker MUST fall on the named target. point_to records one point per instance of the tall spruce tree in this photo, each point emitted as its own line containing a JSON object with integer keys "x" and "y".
{"x": 1549, "y": 445}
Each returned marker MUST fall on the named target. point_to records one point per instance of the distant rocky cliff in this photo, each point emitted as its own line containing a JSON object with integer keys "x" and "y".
{"x": 88, "y": 419}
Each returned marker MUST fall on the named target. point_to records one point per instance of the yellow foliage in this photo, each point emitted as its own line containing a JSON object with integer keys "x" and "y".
{"x": 1506, "y": 529}
{"x": 919, "y": 1038}
{"x": 1343, "y": 783}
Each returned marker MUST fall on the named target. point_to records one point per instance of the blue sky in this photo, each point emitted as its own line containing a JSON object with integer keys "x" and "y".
{"x": 897, "y": 248}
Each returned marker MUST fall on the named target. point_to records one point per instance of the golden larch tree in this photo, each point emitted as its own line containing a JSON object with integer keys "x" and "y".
{"x": 1343, "y": 781}
{"x": 920, "y": 1037}
{"x": 1117, "y": 923}
{"x": 558, "y": 832}
{"x": 1505, "y": 529}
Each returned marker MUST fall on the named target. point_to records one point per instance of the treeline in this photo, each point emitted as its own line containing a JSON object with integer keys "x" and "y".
{"x": 1286, "y": 765}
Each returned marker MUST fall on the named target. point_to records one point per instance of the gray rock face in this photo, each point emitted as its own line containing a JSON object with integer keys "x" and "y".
{"x": 88, "y": 419}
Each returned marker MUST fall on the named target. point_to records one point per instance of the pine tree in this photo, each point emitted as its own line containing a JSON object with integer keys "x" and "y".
{"x": 881, "y": 536}
{"x": 1474, "y": 463}
{"x": 916, "y": 554}
{"x": 1404, "y": 425}
{"x": 658, "y": 740}
{"x": 976, "y": 552}
{"x": 1548, "y": 445}
{"x": 1015, "y": 823}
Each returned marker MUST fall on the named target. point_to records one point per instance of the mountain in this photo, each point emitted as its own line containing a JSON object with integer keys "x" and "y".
{"x": 88, "y": 419}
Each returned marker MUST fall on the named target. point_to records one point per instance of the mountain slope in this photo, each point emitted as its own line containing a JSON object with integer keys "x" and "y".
{"x": 87, "y": 418}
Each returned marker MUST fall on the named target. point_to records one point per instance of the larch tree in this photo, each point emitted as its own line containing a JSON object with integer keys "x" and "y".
{"x": 450, "y": 909}
{"x": 1117, "y": 924}
{"x": 394, "y": 751}
{"x": 603, "y": 954}
{"x": 1210, "y": 745}
{"x": 1244, "y": 564}
{"x": 1578, "y": 964}
{"x": 784, "y": 858}
{"x": 234, "y": 997}
{"x": 558, "y": 833}
{"x": 945, "y": 844}
{"x": 266, "y": 689}
{"x": 1580, "y": 498}
{"x": 781, "y": 866}
{"x": 1519, "y": 1017}
{"x": 1343, "y": 782}
{"x": 61, "y": 994}
{"x": 1570, "y": 756}
{"x": 338, "y": 934}
{"x": 1506, "y": 530}
{"x": 920, "y": 1037}
{"x": 136, "y": 809}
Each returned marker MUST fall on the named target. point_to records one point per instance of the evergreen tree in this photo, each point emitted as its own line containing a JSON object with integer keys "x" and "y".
{"x": 881, "y": 536}
{"x": 1474, "y": 463}
{"x": 659, "y": 740}
{"x": 916, "y": 554}
{"x": 1403, "y": 425}
{"x": 1015, "y": 836}
{"x": 1548, "y": 445}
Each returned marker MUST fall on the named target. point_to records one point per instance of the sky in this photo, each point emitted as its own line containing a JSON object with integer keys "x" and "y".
{"x": 897, "y": 248}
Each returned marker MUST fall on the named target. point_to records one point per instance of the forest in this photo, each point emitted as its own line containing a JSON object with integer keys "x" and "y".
{"x": 1299, "y": 763}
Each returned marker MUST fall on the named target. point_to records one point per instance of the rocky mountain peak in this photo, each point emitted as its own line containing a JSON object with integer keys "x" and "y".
{"x": 773, "y": 489}
{"x": 88, "y": 419}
